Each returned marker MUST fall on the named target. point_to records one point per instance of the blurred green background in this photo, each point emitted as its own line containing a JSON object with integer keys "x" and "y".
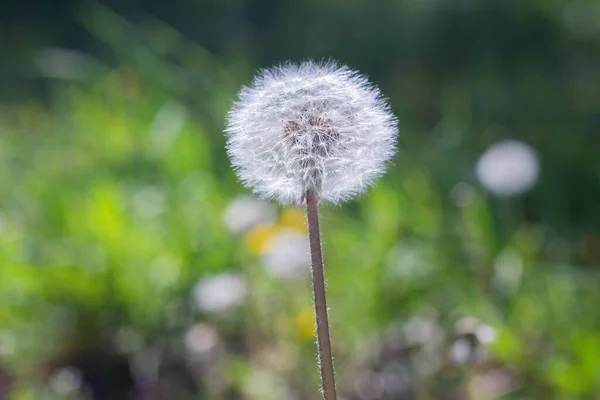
{"x": 134, "y": 266}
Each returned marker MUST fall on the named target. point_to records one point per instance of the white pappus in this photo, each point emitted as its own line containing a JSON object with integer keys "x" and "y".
{"x": 310, "y": 126}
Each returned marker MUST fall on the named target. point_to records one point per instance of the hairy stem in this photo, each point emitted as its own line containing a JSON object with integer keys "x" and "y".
{"x": 323, "y": 341}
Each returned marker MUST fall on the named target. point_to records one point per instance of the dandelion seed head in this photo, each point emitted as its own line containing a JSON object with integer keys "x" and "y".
{"x": 508, "y": 168}
{"x": 310, "y": 126}
{"x": 288, "y": 255}
{"x": 220, "y": 293}
{"x": 245, "y": 212}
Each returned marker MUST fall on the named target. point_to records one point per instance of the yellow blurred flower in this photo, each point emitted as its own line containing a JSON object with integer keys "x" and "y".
{"x": 305, "y": 324}
{"x": 293, "y": 218}
{"x": 259, "y": 237}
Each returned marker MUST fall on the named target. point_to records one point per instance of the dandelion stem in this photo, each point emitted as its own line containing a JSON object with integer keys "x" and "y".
{"x": 323, "y": 340}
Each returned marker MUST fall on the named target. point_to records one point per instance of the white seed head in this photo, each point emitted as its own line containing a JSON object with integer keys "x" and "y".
{"x": 245, "y": 212}
{"x": 220, "y": 293}
{"x": 288, "y": 255}
{"x": 508, "y": 168}
{"x": 310, "y": 126}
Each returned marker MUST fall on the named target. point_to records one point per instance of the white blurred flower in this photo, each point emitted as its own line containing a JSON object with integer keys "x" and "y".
{"x": 464, "y": 351}
{"x": 491, "y": 384}
{"x": 429, "y": 357}
{"x": 245, "y": 212}
{"x": 466, "y": 325}
{"x": 65, "y": 381}
{"x": 312, "y": 126}
{"x": 423, "y": 331}
{"x": 288, "y": 255}
{"x": 461, "y": 351}
{"x": 508, "y": 168}
{"x": 220, "y": 293}
{"x": 202, "y": 340}
{"x": 474, "y": 337}
{"x": 472, "y": 326}
{"x": 485, "y": 334}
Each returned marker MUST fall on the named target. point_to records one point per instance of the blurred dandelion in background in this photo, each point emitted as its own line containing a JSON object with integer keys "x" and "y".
{"x": 220, "y": 294}
{"x": 473, "y": 338}
{"x": 202, "y": 340}
{"x": 66, "y": 382}
{"x": 287, "y": 256}
{"x": 508, "y": 168}
{"x": 245, "y": 212}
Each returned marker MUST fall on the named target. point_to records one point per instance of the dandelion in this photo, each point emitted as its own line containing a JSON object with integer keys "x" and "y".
{"x": 67, "y": 381}
{"x": 310, "y": 127}
{"x": 508, "y": 168}
{"x": 287, "y": 255}
{"x": 202, "y": 340}
{"x": 473, "y": 339}
{"x": 305, "y": 133}
{"x": 246, "y": 212}
{"x": 220, "y": 293}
